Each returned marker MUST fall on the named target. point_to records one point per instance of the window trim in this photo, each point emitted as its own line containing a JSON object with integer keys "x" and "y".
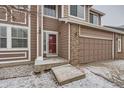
{"x": 56, "y": 17}
{"x": 97, "y": 18}
{"x": 9, "y": 37}
{"x": 119, "y": 44}
{"x": 76, "y": 17}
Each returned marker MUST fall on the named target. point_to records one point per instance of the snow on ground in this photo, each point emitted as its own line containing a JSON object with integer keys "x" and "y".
{"x": 112, "y": 71}
{"x": 22, "y": 76}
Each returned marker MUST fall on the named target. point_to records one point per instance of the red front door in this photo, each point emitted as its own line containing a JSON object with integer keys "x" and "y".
{"x": 52, "y": 43}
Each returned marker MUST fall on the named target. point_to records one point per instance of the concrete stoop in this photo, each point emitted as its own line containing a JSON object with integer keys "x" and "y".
{"x": 67, "y": 73}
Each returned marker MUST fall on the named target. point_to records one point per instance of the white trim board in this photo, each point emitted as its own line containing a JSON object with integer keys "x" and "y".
{"x": 95, "y": 37}
{"x": 19, "y": 26}
{"x": 11, "y": 62}
{"x": 37, "y": 30}
{"x": 15, "y": 57}
{"x": 29, "y": 34}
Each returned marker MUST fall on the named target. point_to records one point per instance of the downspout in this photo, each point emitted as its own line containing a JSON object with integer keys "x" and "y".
{"x": 42, "y": 32}
{"x": 69, "y": 49}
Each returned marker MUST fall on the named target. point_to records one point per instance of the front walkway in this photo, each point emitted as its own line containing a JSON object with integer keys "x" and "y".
{"x": 22, "y": 76}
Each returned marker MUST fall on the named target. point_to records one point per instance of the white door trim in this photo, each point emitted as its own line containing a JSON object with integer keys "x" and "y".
{"x": 47, "y": 45}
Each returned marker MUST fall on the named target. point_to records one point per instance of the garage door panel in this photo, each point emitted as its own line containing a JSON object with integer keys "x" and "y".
{"x": 92, "y": 50}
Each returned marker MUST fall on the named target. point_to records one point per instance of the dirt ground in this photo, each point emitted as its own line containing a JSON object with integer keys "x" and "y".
{"x": 107, "y": 74}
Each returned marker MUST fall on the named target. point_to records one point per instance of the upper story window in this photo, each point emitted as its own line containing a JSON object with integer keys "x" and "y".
{"x": 3, "y": 37}
{"x": 77, "y": 11}
{"x": 94, "y": 19}
{"x": 22, "y": 7}
{"x": 19, "y": 38}
{"x": 50, "y": 10}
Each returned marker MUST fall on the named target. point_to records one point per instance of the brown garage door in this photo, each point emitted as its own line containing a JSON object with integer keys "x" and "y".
{"x": 92, "y": 50}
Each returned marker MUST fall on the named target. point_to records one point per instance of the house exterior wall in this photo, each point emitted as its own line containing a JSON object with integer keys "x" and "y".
{"x": 50, "y": 24}
{"x": 85, "y": 44}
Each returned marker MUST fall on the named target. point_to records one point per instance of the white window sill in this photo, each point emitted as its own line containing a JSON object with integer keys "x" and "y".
{"x": 12, "y": 49}
{"x": 50, "y": 16}
{"x": 78, "y": 18}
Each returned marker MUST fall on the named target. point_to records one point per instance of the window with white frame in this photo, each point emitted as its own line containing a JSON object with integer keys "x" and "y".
{"x": 119, "y": 43}
{"x": 19, "y": 37}
{"x": 94, "y": 19}
{"x": 77, "y": 11}
{"x": 3, "y": 37}
{"x": 50, "y": 10}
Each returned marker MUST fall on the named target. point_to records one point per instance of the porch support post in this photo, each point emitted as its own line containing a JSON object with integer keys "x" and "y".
{"x": 39, "y": 58}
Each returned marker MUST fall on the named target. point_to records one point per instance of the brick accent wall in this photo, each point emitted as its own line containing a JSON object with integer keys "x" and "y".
{"x": 33, "y": 32}
{"x": 74, "y": 44}
{"x": 63, "y": 40}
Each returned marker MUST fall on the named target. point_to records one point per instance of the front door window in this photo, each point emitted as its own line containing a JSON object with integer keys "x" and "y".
{"x": 50, "y": 43}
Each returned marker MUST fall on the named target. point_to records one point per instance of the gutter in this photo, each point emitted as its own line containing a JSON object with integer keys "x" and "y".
{"x": 80, "y": 22}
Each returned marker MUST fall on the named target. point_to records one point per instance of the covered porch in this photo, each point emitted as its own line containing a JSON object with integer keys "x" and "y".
{"x": 52, "y": 49}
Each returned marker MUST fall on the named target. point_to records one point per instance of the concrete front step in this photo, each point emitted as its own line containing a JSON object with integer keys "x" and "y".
{"x": 67, "y": 73}
{"x": 48, "y": 63}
